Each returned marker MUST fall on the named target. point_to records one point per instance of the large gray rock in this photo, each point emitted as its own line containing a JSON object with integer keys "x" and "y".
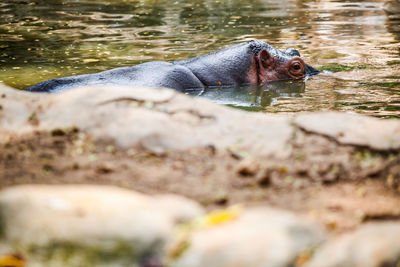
{"x": 95, "y": 224}
{"x": 372, "y": 245}
{"x": 353, "y": 129}
{"x": 156, "y": 119}
{"x": 258, "y": 237}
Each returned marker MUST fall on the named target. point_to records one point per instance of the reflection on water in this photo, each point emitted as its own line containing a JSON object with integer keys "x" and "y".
{"x": 252, "y": 97}
{"x": 357, "y": 40}
{"x": 392, "y": 9}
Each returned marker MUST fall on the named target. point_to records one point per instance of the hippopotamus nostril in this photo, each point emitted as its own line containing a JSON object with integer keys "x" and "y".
{"x": 292, "y": 52}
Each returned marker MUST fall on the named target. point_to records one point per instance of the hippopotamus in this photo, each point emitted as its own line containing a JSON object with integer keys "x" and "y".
{"x": 254, "y": 62}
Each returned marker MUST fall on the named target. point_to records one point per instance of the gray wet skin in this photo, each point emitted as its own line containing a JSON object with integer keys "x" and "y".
{"x": 246, "y": 63}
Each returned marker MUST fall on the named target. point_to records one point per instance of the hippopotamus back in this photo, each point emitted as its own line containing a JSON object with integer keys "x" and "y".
{"x": 152, "y": 74}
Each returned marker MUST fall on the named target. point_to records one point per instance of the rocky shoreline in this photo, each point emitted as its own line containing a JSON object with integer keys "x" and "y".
{"x": 243, "y": 189}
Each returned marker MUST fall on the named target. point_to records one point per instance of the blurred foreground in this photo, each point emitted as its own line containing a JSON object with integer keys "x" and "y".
{"x": 265, "y": 190}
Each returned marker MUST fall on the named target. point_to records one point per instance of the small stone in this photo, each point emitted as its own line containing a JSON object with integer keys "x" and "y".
{"x": 237, "y": 154}
{"x": 75, "y": 166}
{"x": 57, "y": 132}
{"x": 247, "y": 167}
{"x": 105, "y": 168}
{"x": 263, "y": 178}
{"x": 221, "y": 198}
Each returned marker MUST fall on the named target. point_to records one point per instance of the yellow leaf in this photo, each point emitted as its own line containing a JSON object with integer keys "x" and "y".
{"x": 12, "y": 261}
{"x": 221, "y": 216}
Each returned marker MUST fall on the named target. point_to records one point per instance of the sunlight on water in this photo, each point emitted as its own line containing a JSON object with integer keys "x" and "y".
{"x": 358, "y": 42}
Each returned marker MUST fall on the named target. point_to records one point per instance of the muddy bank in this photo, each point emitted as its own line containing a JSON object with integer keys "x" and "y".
{"x": 340, "y": 185}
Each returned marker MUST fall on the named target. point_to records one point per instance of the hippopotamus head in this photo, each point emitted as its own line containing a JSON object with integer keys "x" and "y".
{"x": 271, "y": 64}
{"x": 291, "y": 52}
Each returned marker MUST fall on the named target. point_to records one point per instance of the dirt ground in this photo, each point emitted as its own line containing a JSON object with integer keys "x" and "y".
{"x": 339, "y": 186}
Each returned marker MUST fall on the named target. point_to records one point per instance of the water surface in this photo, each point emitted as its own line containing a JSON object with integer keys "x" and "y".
{"x": 357, "y": 41}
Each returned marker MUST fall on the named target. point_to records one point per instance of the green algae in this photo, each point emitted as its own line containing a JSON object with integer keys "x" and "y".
{"x": 392, "y": 108}
{"x": 247, "y": 108}
{"x": 393, "y": 62}
{"x": 363, "y": 107}
{"x": 338, "y": 68}
{"x": 72, "y": 254}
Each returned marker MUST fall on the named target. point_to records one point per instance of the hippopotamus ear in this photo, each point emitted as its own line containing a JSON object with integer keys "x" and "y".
{"x": 265, "y": 58}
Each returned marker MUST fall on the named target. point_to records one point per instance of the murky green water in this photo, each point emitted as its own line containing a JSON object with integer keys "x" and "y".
{"x": 357, "y": 40}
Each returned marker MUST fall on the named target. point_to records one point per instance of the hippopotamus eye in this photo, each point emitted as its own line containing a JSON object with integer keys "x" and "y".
{"x": 296, "y": 67}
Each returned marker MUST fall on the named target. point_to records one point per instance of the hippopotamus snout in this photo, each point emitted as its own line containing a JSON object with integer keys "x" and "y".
{"x": 311, "y": 71}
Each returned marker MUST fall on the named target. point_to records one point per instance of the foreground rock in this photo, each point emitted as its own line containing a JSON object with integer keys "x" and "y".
{"x": 94, "y": 225}
{"x": 370, "y": 246}
{"x": 81, "y": 225}
{"x": 258, "y": 237}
